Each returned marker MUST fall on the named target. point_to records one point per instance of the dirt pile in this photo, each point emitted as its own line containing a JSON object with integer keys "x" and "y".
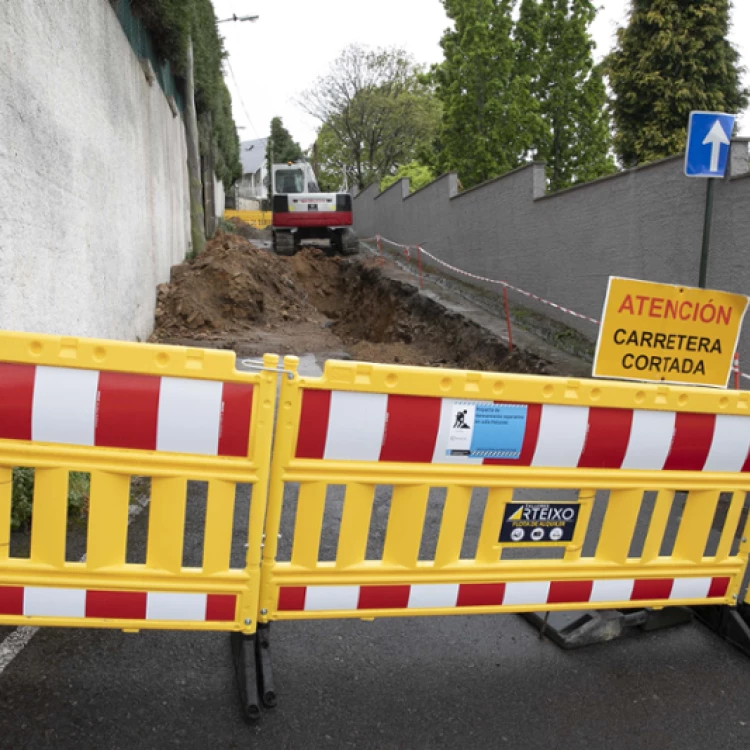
{"x": 233, "y": 285}
{"x": 238, "y": 296}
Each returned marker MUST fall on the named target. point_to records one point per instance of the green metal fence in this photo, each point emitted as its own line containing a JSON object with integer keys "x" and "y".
{"x": 141, "y": 42}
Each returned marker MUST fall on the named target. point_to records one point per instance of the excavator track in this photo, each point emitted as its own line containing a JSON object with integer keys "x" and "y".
{"x": 284, "y": 244}
{"x": 343, "y": 242}
{"x": 351, "y": 243}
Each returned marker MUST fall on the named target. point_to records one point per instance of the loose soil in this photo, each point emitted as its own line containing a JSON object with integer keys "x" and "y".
{"x": 238, "y": 295}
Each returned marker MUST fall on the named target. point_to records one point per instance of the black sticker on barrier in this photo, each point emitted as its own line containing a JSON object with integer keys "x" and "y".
{"x": 530, "y": 523}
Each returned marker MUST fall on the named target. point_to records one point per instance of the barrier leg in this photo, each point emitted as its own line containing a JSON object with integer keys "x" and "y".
{"x": 731, "y": 623}
{"x": 263, "y": 661}
{"x": 243, "y": 655}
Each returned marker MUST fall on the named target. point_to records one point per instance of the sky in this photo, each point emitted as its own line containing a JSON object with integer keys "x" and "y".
{"x": 272, "y": 60}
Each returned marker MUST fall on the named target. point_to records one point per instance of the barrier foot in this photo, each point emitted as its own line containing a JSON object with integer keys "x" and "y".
{"x": 243, "y": 655}
{"x": 570, "y": 630}
{"x": 263, "y": 661}
{"x": 658, "y": 619}
{"x": 732, "y": 624}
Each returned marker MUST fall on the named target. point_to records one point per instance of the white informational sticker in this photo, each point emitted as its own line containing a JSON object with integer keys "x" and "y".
{"x": 480, "y": 429}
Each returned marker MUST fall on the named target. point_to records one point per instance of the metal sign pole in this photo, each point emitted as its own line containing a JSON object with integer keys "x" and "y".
{"x": 706, "y": 232}
{"x": 709, "y": 141}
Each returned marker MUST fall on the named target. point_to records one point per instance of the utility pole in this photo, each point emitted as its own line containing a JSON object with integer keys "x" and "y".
{"x": 270, "y": 159}
{"x": 236, "y": 18}
{"x": 197, "y": 220}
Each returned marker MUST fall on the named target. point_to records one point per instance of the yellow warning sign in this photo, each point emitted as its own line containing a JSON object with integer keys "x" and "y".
{"x": 668, "y": 333}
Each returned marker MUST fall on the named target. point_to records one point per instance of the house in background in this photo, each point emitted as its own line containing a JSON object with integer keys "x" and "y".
{"x": 250, "y": 191}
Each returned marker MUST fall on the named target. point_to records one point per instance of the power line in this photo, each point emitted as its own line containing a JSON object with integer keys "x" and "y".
{"x": 239, "y": 96}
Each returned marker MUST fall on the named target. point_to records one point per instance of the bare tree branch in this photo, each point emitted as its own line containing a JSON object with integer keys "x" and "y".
{"x": 375, "y": 111}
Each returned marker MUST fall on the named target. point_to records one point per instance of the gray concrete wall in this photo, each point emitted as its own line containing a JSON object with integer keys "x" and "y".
{"x": 93, "y": 179}
{"x": 645, "y": 223}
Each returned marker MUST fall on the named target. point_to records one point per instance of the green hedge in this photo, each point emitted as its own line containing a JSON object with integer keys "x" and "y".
{"x": 170, "y": 24}
{"x": 22, "y": 506}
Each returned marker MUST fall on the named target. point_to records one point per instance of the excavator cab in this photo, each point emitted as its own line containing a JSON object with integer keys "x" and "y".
{"x": 294, "y": 178}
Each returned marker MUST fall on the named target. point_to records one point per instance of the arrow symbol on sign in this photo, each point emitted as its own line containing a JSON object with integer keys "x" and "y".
{"x": 716, "y": 137}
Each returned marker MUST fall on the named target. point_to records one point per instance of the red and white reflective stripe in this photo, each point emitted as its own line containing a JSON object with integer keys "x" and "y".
{"x": 122, "y": 410}
{"x": 349, "y": 426}
{"x": 731, "y": 435}
{"x": 356, "y": 423}
{"x": 562, "y": 436}
{"x": 516, "y": 594}
{"x": 43, "y": 601}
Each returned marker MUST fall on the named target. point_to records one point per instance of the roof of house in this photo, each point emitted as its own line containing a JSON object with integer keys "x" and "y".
{"x": 253, "y": 155}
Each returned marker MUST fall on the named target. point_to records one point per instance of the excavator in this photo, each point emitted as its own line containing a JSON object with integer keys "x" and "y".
{"x": 302, "y": 212}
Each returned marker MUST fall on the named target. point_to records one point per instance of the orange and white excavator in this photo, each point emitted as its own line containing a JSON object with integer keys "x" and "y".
{"x": 302, "y": 212}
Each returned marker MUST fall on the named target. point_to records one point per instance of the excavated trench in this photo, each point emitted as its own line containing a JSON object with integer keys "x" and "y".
{"x": 372, "y": 310}
{"x": 239, "y": 296}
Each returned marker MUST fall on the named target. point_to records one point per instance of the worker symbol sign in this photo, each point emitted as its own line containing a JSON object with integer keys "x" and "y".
{"x": 530, "y": 523}
{"x": 479, "y": 429}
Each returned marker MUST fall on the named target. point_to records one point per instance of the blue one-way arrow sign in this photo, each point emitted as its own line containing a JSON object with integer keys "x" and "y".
{"x": 709, "y": 135}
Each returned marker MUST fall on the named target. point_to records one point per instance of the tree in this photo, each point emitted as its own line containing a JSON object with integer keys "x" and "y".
{"x": 418, "y": 175}
{"x": 330, "y": 157}
{"x": 281, "y": 148}
{"x": 228, "y": 165}
{"x": 490, "y": 119}
{"x": 672, "y": 57}
{"x": 376, "y": 111}
{"x": 554, "y": 53}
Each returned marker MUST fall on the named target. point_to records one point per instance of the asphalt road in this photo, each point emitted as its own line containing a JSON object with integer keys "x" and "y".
{"x": 452, "y": 682}
{"x": 482, "y": 682}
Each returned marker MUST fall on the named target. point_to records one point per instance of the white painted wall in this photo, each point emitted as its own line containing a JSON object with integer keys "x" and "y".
{"x": 94, "y": 202}
{"x": 246, "y": 204}
{"x": 220, "y": 197}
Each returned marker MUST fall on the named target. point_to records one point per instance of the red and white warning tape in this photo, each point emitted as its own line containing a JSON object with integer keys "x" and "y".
{"x": 531, "y": 295}
{"x": 737, "y": 372}
{"x": 406, "y": 248}
{"x": 506, "y": 284}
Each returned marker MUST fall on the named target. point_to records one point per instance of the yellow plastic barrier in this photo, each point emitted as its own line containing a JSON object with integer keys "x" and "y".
{"x": 119, "y": 410}
{"x": 540, "y": 494}
{"x": 451, "y": 492}
{"x": 257, "y": 219}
